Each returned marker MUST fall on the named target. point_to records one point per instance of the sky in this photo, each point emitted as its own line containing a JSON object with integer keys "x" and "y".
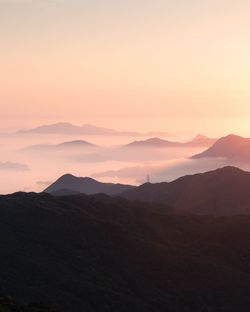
{"x": 170, "y": 65}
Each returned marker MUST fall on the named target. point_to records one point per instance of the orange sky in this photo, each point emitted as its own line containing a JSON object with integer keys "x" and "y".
{"x": 146, "y": 65}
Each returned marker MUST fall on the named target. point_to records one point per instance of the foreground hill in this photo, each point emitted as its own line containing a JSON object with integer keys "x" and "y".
{"x": 69, "y": 184}
{"x": 223, "y": 191}
{"x": 231, "y": 147}
{"x": 95, "y": 253}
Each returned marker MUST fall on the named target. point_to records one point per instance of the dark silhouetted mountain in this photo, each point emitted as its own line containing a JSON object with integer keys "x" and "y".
{"x": 96, "y": 253}
{"x": 86, "y": 186}
{"x": 198, "y": 141}
{"x": 64, "y": 192}
{"x": 65, "y": 146}
{"x": 68, "y": 128}
{"x": 231, "y": 147}
{"x": 220, "y": 192}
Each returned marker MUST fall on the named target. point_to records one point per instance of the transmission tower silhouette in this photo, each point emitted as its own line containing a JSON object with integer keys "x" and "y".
{"x": 148, "y": 179}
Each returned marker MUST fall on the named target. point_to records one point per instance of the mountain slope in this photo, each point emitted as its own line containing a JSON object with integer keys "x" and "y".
{"x": 220, "y": 192}
{"x": 95, "y": 253}
{"x": 231, "y": 147}
{"x": 85, "y": 185}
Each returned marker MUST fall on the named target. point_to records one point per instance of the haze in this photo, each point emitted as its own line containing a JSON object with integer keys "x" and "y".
{"x": 179, "y": 67}
{"x": 170, "y": 65}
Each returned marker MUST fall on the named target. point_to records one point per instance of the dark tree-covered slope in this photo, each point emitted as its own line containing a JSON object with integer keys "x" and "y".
{"x": 96, "y": 253}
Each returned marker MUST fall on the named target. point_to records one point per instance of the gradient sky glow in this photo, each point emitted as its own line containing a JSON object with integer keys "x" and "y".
{"x": 179, "y": 65}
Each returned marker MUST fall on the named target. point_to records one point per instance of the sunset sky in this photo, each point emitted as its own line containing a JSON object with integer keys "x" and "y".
{"x": 179, "y": 65}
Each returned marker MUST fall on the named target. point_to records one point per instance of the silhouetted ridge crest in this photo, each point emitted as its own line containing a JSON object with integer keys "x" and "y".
{"x": 224, "y": 191}
{"x": 198, "y": 140}
{"x": 85, "y": 185}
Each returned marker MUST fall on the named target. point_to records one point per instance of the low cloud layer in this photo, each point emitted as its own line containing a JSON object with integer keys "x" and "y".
{"x": 43, "y": 183}
{"x": 165, "y": 172}
{"x": 136, "y": 154}
{"x": 11, "y": 166}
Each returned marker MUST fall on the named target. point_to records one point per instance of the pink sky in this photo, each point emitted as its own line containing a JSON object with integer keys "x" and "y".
{"x": 154, "y": 65}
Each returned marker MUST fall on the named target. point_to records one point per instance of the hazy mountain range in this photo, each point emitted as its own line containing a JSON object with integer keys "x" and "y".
{"x": 223, "y": 191}
{"x": 86, "y": 129}
{"x": 198, "y": 141}
{"x": 152, "y": 143}
{"x": 231, "y": 150}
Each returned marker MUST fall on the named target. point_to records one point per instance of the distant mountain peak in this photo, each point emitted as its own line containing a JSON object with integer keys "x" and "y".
{"x": 152, "y": 142}
{"x": 70, "y": 177}
{"x": 199, "y": 140}
{"x": 232, "y": 147}
{"x": 200, "y": 136}
{"x": 231, "y": 136}
{"x": 156, "y": 139}
{"x": 229, "y": 169}
{"x": 77, "y": 142}
{"x": 64, "y": 146}
{"x": 67, "y": 176}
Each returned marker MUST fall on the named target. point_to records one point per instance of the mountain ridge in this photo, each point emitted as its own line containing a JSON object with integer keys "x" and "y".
{"x": 232, "y": 147}
{"x": 86, "y": 185}
{"x": 68, "y": 128}
{"x": 203, "y": 193}
{"x": 67, "y": 145}
{"x": 89, "y": 129}
{"x": 197, "y": 141}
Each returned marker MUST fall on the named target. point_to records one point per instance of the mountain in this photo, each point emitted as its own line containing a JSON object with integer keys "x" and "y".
{"x": 76, "y": 143}
{"x": 85, "y": 185}
{"x": 223, "y": 191}
{"x": 153, "y": 142}
{"x": 96, "y": 253}
{"x": 65, "y": 128}
{"x": 64, "y": 192}
{"x": 201, "y": 141}
{"x": 68, "y": 128}
{"x": 232, "y": 147}
{"x": 198, "y": 141}
{"x": 65, "y": 146}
